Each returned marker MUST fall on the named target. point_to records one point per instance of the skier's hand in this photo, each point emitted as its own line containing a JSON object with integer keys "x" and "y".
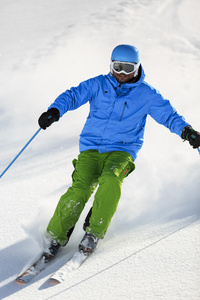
{"x": 47, "y": 118}
{"x": 192, "y": 136}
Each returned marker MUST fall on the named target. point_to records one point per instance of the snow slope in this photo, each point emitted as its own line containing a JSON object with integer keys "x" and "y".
{"x": 151, "y": 250}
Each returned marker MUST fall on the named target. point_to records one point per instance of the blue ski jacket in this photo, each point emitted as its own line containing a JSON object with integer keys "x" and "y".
{"x": 118, "y": 113}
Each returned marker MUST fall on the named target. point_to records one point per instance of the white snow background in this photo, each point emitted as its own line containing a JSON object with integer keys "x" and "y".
{"x": 151, "y": 250}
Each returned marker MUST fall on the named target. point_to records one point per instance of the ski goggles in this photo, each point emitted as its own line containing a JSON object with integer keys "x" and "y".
{"x": 124, "y": 67}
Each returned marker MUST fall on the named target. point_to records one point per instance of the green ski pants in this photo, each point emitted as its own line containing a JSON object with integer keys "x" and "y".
{"x": 107, "y": 170}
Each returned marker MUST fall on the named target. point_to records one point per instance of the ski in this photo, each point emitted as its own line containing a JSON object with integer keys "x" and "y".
{"x": 32, "y": 271}
{"x": 71, "y": 265}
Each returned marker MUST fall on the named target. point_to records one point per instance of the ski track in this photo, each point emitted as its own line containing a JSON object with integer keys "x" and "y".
{"x": 151, "y": 250}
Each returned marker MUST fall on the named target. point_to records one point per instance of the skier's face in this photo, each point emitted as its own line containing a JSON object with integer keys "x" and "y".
{"x": 123, "y": 78}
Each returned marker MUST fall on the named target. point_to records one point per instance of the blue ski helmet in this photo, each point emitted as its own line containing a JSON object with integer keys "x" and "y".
{"x": 126, "y": 53}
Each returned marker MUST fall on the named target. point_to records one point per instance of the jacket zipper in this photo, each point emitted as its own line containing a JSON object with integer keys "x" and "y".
{"x": 125, "y": 104}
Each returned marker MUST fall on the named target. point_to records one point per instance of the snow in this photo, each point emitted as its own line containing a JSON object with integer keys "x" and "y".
{"x": 151, "y": 250}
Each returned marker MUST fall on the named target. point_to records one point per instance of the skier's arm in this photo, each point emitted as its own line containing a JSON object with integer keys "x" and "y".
{"x": 164, "y": 113}
{"x": 161, "y": 110}
{"x": 75, "y": 97}
{"x": 69, "y": 100}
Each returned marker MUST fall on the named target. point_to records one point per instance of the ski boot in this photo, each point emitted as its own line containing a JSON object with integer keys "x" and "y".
{"x": 51, "y": 251}
{"x": 88, "y": 243}
{"x": 54, "y": 247}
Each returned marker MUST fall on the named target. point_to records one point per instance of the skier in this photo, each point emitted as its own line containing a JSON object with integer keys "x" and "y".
{"x": 110, "y": 140}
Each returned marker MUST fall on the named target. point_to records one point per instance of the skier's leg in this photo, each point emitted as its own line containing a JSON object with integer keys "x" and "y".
{"x": 88, "y": 168}
{"x": 116, "y": 167}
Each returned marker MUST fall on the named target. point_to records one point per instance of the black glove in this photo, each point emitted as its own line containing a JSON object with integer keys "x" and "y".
{"x": 47, "y": 118}
{"x": 192, "y": 136}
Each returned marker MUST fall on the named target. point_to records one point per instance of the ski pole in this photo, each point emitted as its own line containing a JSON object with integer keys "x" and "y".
{"x": 20, "y": 153}
{"x": 198, "y": 149}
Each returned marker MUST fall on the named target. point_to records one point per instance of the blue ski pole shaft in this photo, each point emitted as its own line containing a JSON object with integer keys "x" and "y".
{"x": 20, "y": 153}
